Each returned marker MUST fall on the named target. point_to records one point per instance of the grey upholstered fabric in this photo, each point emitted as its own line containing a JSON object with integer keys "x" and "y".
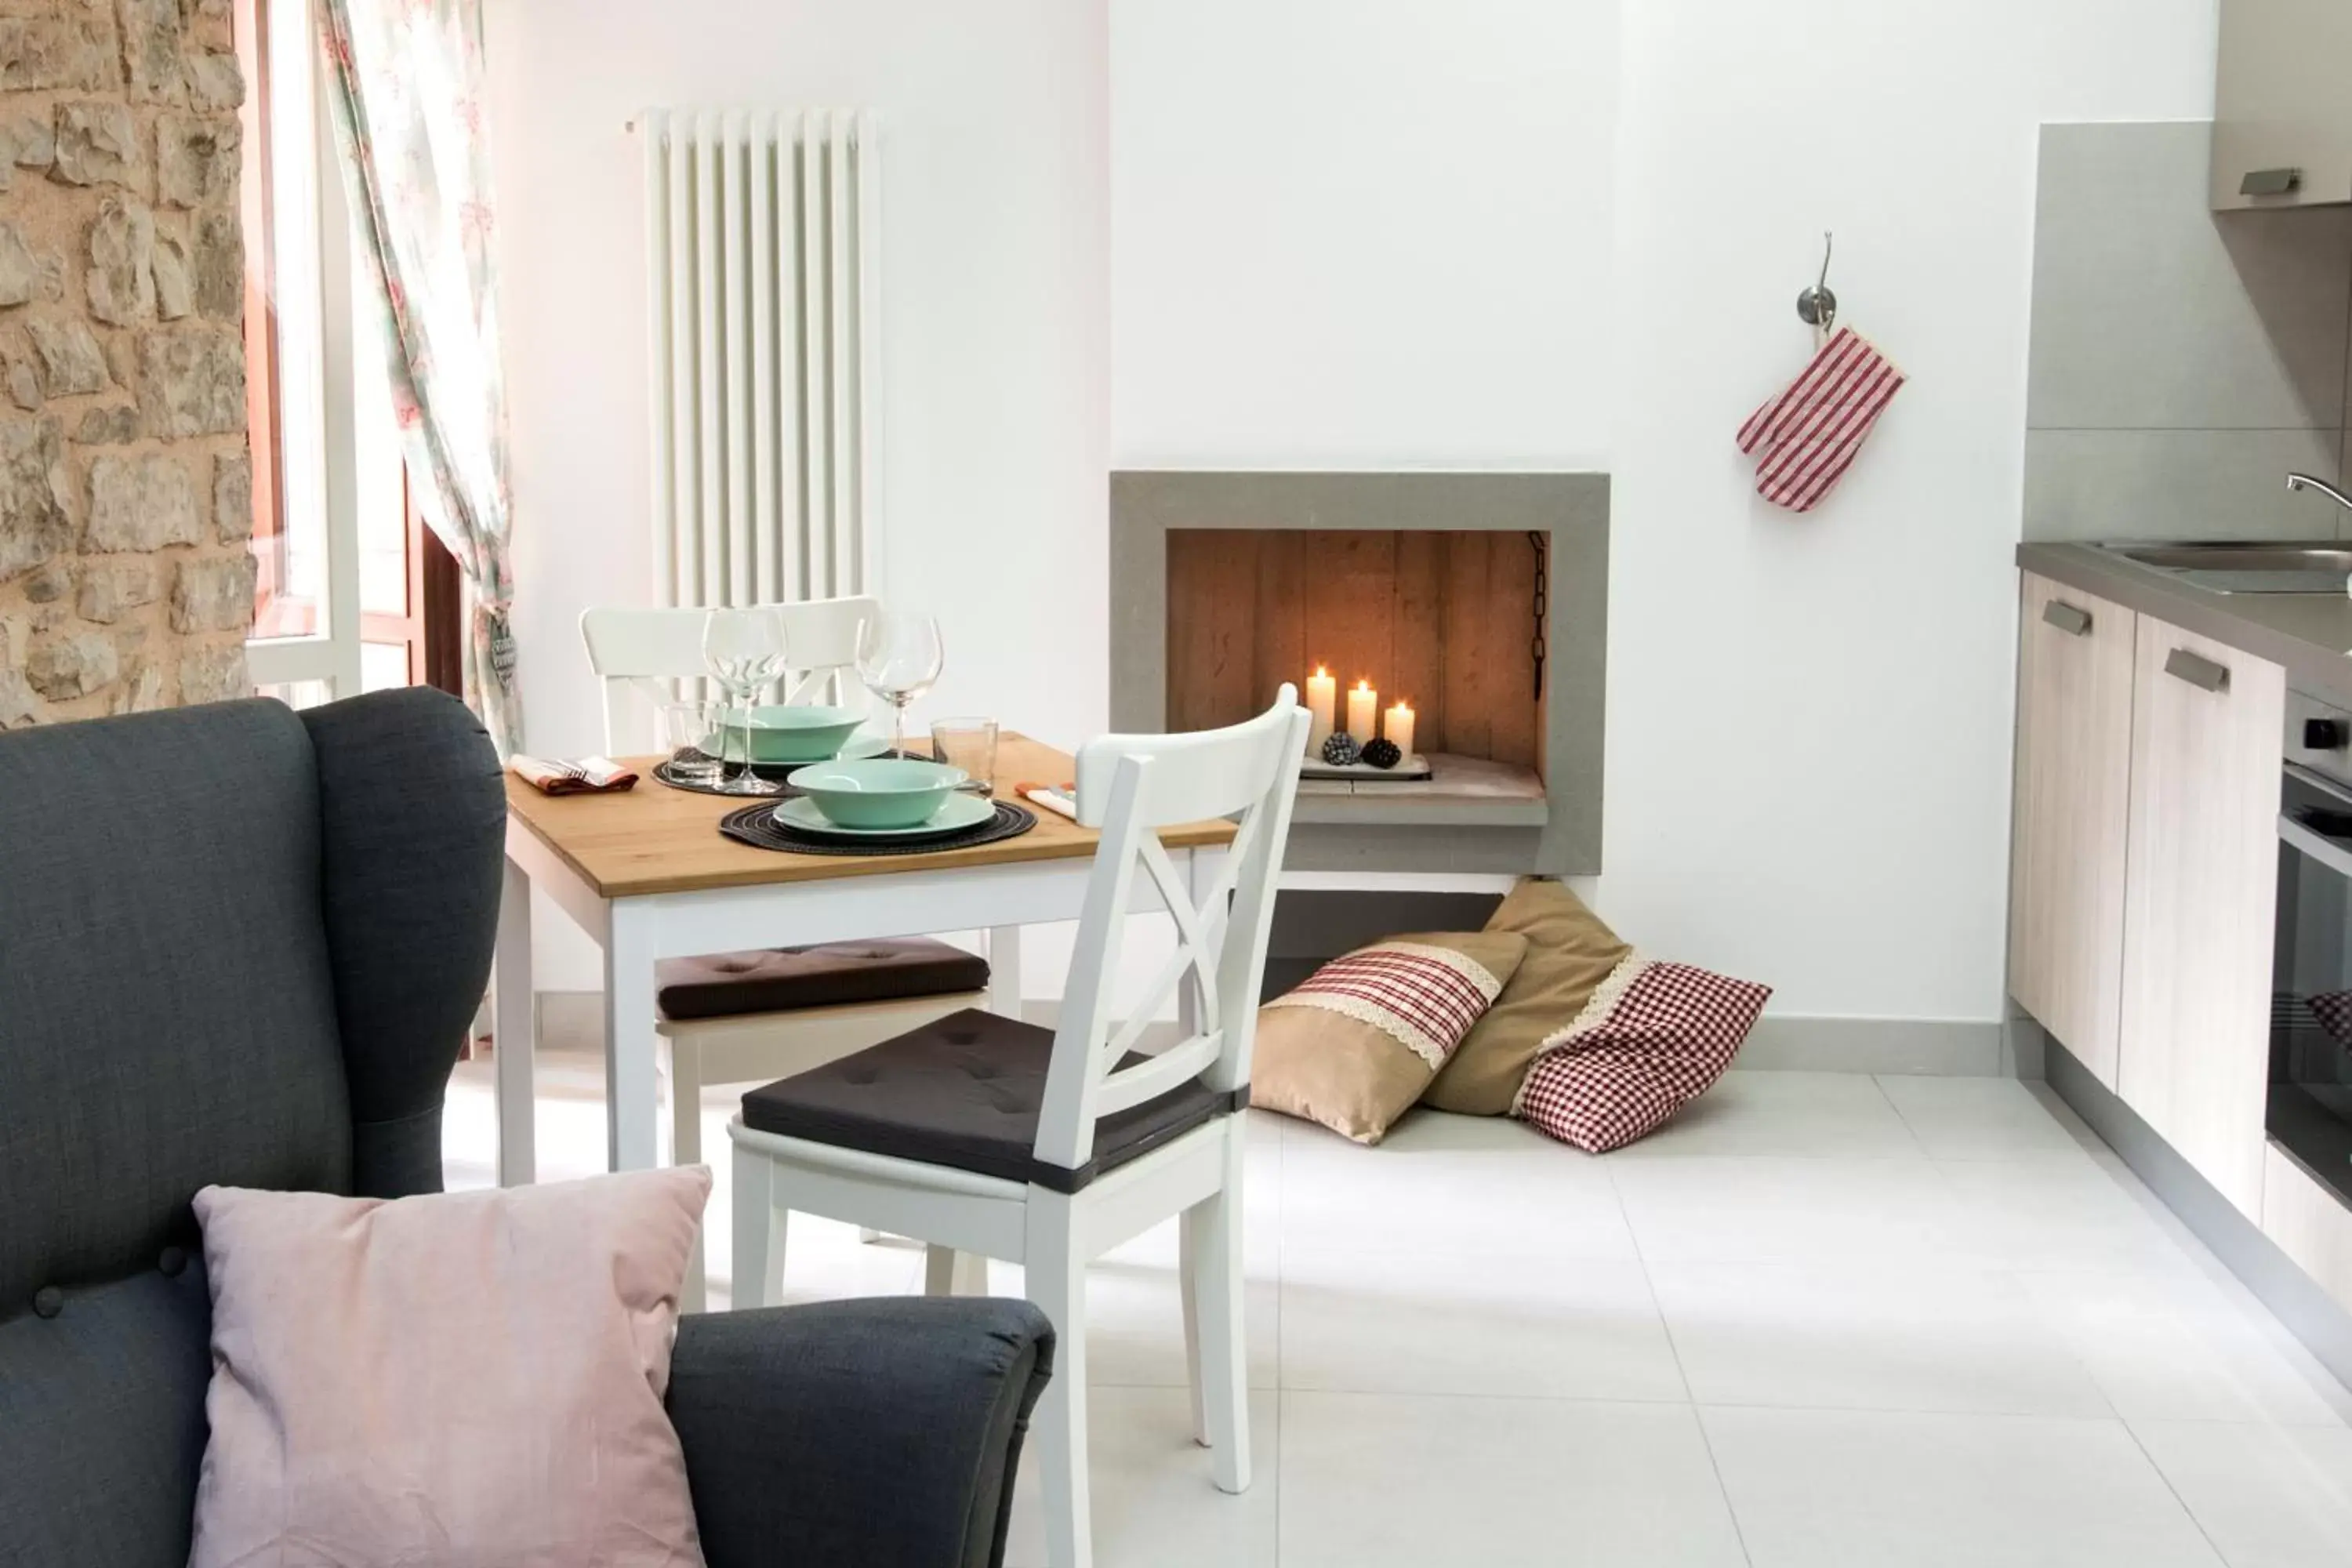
{"x": 102, "y": 1424}
{"x": 881, "y": 1434}
{"x": 167, "y": 1014}
{"x": 413, "y": 815}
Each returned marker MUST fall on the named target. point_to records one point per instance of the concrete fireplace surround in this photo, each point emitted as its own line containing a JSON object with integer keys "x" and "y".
{"x": 125, "y": 480}
{"x": 1383, "y": 827}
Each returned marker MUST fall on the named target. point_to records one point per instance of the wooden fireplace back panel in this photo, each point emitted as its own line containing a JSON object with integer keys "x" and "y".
{"x": 1442, "y": 619}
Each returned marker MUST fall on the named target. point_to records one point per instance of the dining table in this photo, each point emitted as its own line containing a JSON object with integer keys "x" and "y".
{"x": 649, "y": 876}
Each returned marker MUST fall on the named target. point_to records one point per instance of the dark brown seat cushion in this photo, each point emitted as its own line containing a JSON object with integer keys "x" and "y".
{"x": 784, "y": 979}
{"x": 963, "y": 1091}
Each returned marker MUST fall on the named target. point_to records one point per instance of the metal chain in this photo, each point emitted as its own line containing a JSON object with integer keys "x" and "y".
{"x": 1539, "y": 649}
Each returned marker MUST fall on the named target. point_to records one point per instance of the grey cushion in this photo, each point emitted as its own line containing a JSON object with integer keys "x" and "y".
{"x": 964, "y": 1091}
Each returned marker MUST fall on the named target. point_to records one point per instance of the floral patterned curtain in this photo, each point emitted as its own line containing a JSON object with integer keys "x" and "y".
{"x": 404, "y": 77}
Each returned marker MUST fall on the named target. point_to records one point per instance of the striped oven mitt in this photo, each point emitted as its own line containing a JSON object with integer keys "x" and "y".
{"x": 1805, "y": 438}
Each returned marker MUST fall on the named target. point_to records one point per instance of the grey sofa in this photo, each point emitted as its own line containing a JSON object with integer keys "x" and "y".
{"x": 239, "y": 944}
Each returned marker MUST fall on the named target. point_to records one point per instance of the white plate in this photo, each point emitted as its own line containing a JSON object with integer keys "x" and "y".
{"x": 961, "y": 811}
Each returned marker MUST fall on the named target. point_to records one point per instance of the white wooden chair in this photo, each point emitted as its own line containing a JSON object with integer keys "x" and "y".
{"x": 992, "y": 1137}
{"x": 643, "y": 654}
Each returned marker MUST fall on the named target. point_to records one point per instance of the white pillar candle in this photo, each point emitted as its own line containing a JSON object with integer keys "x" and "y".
{"x": 1398, "y": 728}
{"x": 1363, "y": 708}
{"x": 1322, "y": 703}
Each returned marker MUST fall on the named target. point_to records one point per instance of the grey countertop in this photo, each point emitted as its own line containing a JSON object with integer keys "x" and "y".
{"x": 2309, "y": 634}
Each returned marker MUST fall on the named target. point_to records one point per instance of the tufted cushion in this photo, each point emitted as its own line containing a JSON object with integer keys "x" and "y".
{"x": 963, "y": 1091}
{"x": 786, "y": 979}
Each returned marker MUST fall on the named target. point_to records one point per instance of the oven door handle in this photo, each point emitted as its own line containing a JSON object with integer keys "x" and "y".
{"x": 2326, "y": 851}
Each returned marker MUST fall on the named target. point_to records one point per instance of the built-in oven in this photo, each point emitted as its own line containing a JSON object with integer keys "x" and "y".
{"x": 2309, "y": 1113}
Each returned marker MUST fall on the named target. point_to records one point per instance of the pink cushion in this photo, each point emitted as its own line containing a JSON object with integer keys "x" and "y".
{"x": 468, "y": 1378}
{"x": 1653, "y": 1037}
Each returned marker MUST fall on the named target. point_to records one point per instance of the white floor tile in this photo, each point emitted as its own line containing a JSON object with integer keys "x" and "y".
{"x": 1135, "y": 1323}
{"x": 2062, "y": 1212}
{"x": 1978, "y": 1118}
{"x": 1154, "y": 1503}
{"x": 1449, "y": 1184}
{"x": 1868, "y": 1336}
{"x": 1797, "y": 1115}
{"x": 1857, "y": 1490}
{"x": 2179, "y": 1347}
{"x": 1775, "y": 1210}
{"x": 2268, "y": 1496}
{"x": 1394, "y": 1482}
{"x": 1393, "y": 1322}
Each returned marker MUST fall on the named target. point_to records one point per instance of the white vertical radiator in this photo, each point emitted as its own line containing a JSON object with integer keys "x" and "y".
{"x": 760, "y": 257}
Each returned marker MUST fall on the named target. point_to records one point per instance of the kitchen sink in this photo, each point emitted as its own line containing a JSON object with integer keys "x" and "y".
{"x": 2236, "y": 567}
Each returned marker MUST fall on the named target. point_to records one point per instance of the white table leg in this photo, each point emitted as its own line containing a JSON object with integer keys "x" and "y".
{"x": 516, "y": 1028}
{"x": 1005, "y": 971}
{"x": 632, "y": 1049}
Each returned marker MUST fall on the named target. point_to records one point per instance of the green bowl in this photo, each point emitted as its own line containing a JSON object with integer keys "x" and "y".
{"x": 879, "y": 792}
{"x": 799, "y": 733}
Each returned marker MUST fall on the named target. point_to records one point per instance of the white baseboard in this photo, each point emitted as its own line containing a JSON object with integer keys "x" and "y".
{"x": 1919, "y": 1048}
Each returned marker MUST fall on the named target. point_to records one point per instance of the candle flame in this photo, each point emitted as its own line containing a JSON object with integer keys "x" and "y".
{"x": 1321, "y": 673}
{"x": 1363, "y": 685}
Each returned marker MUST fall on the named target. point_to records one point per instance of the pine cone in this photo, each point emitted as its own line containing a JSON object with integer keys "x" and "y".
{"x": 1340, "y": 750}
{"x": 1382, "y": 753}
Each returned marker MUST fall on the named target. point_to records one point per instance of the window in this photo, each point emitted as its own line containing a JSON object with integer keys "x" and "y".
{"x": 352, "y": 592}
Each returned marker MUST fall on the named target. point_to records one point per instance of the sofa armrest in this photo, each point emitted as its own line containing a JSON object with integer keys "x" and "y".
{"x": 878, "y": 1434}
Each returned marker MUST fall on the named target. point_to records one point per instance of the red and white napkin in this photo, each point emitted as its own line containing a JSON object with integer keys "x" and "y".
{"x": 1805, "y": 438}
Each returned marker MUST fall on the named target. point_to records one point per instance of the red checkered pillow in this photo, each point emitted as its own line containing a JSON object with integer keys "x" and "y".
{"x": 1653, "y": 1038}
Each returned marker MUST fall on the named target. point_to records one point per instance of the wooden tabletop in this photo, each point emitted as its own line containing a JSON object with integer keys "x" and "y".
{"x": 655, "y": 839}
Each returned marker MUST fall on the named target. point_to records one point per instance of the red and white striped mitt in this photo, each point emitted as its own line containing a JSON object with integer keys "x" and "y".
{"x": 1805, "y": 438}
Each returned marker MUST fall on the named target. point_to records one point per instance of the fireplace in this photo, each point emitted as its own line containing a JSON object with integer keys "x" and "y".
{"x": 1478, "y": 599}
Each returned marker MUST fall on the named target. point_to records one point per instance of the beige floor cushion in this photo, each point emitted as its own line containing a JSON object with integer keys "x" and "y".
{"x": 1356, "y": 1044}
{"x": 1569, "y": 953}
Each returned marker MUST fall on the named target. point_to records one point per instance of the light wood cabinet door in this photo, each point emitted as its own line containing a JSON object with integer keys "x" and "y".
{"x": 2199, "y": 894}
{"x": 2073, "y": 804}
{"x": 2310, "y": 1223}
{"x": 2283, "y": 112}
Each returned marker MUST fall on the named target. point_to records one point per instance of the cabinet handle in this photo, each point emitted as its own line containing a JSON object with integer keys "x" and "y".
{"x": 2200, "y": 673}
{"x": 2074, "y": 621}
{"x": 2271, "y": 182}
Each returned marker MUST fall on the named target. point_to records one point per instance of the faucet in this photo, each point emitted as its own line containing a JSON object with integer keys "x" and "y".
{"x": 2309, "y": 482}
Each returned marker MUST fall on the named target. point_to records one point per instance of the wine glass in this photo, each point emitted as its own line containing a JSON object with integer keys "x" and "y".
{"x": 745, "y": 651}
{"x": 898, "y": 658}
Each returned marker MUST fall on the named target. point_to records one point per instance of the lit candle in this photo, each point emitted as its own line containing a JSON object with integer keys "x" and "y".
{"x": 1363, "y": 707}
{"x": 1398, "y": 727}
{"x": 1322, "y": 700}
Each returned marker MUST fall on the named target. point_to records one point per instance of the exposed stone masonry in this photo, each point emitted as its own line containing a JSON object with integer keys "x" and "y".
{"x": 125, "y": 481}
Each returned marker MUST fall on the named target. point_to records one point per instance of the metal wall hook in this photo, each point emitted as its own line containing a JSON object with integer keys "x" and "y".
{"x": 1817, "y": 307}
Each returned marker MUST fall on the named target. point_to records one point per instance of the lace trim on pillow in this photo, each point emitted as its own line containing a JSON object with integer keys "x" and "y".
{"x": 1330, "y": 989}
{"x": 1594, "y": 1013}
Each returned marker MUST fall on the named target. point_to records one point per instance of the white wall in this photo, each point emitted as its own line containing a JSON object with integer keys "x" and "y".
{"x": 1361, "y": 233}
{"x": 1545, "y": 232}
{"x": 996, "y": 353}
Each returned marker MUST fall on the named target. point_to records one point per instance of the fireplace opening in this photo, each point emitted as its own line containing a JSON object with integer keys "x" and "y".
{"x": 1447, "y": 624}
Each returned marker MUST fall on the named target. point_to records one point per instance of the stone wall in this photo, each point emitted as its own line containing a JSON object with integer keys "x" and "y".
{"x": 125, "y": 475}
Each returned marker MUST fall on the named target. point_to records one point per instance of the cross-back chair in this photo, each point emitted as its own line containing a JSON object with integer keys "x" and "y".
{"x": 990, "y": 1136}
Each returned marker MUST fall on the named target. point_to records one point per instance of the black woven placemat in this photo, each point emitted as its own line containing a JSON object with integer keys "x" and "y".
{"x": 756, "y": 824}
{"x": 774, "y": 772}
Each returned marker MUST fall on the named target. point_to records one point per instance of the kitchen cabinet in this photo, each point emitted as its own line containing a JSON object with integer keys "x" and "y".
{"x": 2309, "y": 1223}
{"x": 2200, "y": 879}
{"x": 2075, "y": 668}
{"x": 2283, "y": 116}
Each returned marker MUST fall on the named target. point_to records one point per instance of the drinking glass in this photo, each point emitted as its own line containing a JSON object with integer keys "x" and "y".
{"x": 969, "y": 744}
{"x": 745, "y": 651}
{"x": 898, "y": 658}
{"x": 687, "y": 728}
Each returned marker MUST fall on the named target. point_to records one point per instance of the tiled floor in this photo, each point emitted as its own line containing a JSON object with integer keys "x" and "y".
{"x": 1822, "y": 1322}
